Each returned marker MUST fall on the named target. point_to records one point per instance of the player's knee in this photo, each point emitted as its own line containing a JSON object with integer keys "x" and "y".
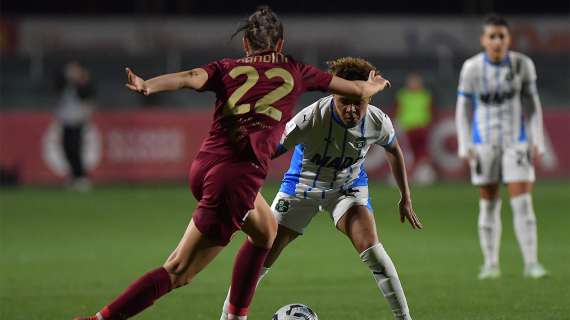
{"x": 364, "y": 243}
{"x": 489, "y": 192}
{"x": 363, "y": 238}
{"x": 522, "y": 209}
{"x": 266, "y": 235}
{"x": 266, "y": 238}
{"x": 176, "y": 267}
{"x": 178, "y": 277}
{"x": 489, "y": 213}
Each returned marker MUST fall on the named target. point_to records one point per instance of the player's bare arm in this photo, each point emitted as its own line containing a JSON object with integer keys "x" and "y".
{"x": 191, "y": 79}
{"x": 533, "y": 106}
{"x": 463, "y": 123}
{"x": 359, "y": 89}
{"x": 395, "y": 158}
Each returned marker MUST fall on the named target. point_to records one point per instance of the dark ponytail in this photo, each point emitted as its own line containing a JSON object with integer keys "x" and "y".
{"x": 262, "y": 29}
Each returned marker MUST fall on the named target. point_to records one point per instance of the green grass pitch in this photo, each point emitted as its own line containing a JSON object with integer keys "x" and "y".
{"x": 64, "y": 254}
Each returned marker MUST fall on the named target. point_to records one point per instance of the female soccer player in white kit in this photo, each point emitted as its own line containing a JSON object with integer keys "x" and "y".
{"x": 331, "y": 138}
{"x": 500, "y": 133}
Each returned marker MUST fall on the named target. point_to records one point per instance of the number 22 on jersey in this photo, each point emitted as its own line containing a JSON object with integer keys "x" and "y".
{"x": 263, "y": 105}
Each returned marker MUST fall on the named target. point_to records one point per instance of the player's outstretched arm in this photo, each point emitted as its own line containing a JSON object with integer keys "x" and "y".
{"x": 359, "y": 89}
{"x": 395, "y": 158}
{"x": 192, "y": 79}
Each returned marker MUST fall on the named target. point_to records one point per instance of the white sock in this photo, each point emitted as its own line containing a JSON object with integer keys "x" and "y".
{"x": 490, "y": 228}
{"x": 387, "y": 280}
{"x": 225, "y": 315}
{"x": 234, "y": 317}
{"x": 525, "y": 227}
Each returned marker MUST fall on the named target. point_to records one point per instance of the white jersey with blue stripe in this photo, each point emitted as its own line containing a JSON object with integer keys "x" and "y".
{"x": 495, "y": 91}
{"x": 329, "y": 156}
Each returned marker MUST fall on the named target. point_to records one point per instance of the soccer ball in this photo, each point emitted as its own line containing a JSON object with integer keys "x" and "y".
{"x": 295, "y": 311}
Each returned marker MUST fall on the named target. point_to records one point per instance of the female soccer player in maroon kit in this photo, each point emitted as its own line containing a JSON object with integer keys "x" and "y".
{"x": 256, "y": 96}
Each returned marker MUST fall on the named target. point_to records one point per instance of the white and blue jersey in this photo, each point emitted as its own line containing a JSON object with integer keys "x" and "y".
{"x": 495, "y": 92}
{"x": 329, "y": 156}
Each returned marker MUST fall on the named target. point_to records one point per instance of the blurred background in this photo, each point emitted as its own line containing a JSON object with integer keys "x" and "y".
{"x": 126, "y": 137}
{"x": 67, "y": 123}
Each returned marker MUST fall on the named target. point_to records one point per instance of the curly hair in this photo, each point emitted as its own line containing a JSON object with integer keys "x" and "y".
{"x": 351, "y": 68}
{"x": 262, "y": 29}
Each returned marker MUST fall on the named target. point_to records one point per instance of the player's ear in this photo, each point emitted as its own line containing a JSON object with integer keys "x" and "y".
{"x": 508, "y": 38}
{"x": 279, "y": 45}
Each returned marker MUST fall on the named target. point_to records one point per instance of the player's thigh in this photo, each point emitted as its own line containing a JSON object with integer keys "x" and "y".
{"x": 293, "y": 212}
{"x": 486, "y": 165}
{"x": 338, "y": 205}
{"x": 193, "y": 253}
{"x": 518, "y": 169}
{"x": 519, "y": 188}
{"x": 359, "y": 226}
{"x": 229, "y": 191}
{"x": 260, "y": 224}
{"x": 352, "y": 214}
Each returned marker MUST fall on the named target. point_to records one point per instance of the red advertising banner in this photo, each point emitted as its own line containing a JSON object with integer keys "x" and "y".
{"x": 118, "y": 146}
{"x": 152, "y": 146}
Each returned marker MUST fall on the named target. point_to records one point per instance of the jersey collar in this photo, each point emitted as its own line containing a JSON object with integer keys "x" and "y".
{"x": 262, "y": 52}
{"x": 506, "y": 59}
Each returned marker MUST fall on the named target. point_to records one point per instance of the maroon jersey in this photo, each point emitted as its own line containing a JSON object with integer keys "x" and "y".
{"x": 255, "y": 97}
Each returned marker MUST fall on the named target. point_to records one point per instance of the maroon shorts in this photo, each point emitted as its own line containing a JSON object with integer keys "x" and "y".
{"x": 225, "y": 189}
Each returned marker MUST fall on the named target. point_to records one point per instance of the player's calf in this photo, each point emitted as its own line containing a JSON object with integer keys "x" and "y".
{"x": 386, "y": 277}
{"x": 490, "y": 229}
{"x": 140, "y": 295}
{"x": 524, "y": 220}
{"x": 247, "y": 267}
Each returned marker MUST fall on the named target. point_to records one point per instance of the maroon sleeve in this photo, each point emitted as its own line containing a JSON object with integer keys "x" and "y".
{"x": 315, "y": 79}
{"x": 214, "y": 70}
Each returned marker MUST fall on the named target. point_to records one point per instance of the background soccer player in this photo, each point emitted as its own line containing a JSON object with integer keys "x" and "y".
{"x": 73, "y": 113}
{"x": 331, "y": 138}
{"x": 256, "y": 95}
{"x": 502, "y": 141}
{"x": 414, "y": 115}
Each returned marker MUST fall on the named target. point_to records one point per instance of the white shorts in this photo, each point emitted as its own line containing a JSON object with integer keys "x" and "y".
{"x": 494, "y": 164}
{"x": 296, "y": 212}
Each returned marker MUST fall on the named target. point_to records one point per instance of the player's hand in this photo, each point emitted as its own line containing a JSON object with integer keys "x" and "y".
{"x": 469, "y": 156}
{"x": 535, "y": 155}
{"x": 407, "y": 213}
{"x": 377, "y": 80}
{"x": 136, "y": 83}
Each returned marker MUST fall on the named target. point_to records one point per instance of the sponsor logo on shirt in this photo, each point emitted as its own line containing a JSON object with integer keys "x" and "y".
{"x": 497, "y": 98}
{"x": 337, "y": 163}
